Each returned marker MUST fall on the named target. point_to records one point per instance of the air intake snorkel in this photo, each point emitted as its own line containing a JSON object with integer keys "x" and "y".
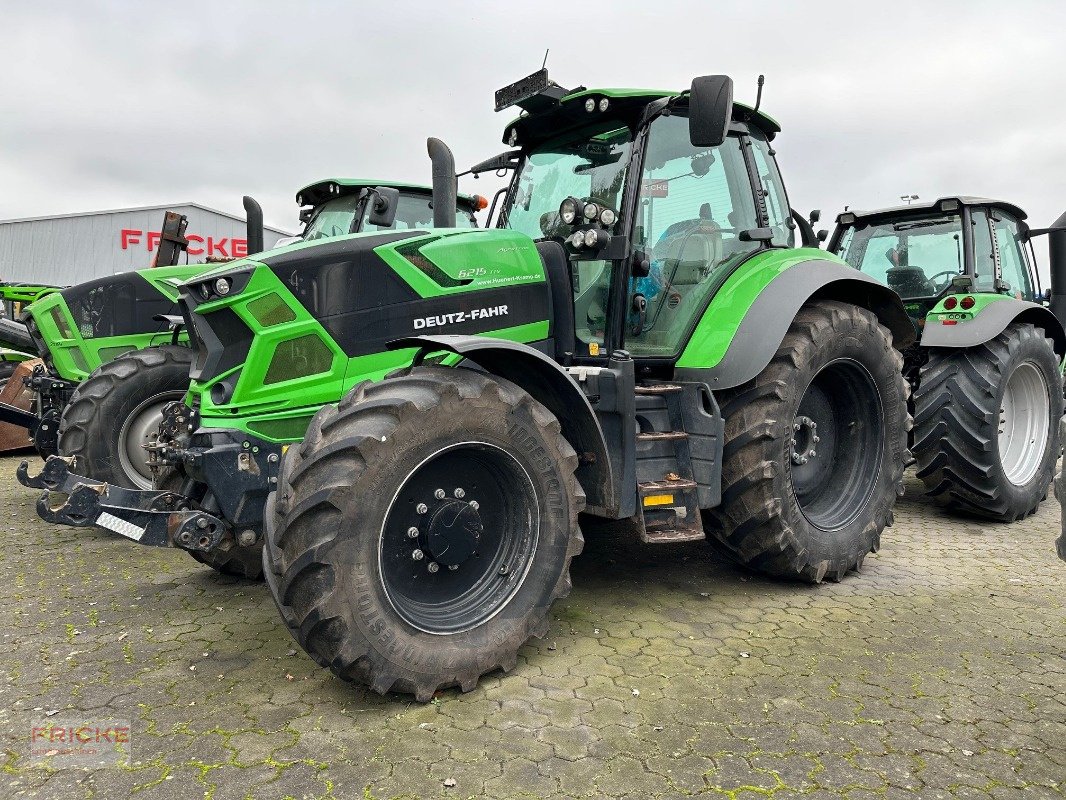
{"x": 254, "y": 225}
{"x": 444, "y": 189}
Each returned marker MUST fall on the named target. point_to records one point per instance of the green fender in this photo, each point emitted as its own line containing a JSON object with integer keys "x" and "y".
{"x": 748, "y": 316}
{"x": 987, "y": 319}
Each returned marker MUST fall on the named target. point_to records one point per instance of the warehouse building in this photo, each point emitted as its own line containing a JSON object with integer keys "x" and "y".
{"x": 70, "y": 248}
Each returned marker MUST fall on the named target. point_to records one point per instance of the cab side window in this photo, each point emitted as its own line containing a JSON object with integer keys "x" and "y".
{"x": 777, "y": 207}
{"x": 984, "y": 263}
{"x": 1014, "y": 265}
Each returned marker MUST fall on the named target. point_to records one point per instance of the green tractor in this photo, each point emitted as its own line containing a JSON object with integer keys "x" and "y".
{"x": 115, "y": 350}
{"x": 412, "y": 421}
{"x": 986, "y": 368}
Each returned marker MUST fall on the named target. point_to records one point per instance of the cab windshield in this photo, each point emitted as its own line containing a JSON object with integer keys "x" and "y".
{"x": 916, "y": 257}
{"x": 337, "y": 217}
{"x": 589, "y": 165}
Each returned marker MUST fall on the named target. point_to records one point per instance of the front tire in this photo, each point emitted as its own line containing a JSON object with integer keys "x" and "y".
{"x": 112, "y": 412}
{"x": 834, "y": 387}
{"x": 986, "y": 432}
{"x": 423, "y": 529}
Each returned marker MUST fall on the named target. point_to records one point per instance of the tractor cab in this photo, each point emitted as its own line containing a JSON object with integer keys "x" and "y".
{"x": 339, "y": 206}
{"x": 929, "y": 250}
{"x": 655, "y": 198}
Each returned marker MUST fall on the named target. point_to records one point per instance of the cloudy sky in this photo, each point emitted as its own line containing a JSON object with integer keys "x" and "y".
{"x": 107, "y": 105}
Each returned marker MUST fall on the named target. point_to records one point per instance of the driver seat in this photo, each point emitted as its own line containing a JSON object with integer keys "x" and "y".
{"x": 693, "y": 253}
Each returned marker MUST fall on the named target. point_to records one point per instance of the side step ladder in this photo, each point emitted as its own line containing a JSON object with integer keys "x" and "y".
{"x": 670, "y": 504}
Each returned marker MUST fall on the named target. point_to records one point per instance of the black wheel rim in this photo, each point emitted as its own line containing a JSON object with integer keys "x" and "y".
{"x": 834, "y": 455}
{"x": 459, "y": 538}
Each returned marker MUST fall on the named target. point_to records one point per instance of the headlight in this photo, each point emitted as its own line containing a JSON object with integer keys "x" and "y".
{"x": 577, "y": 241}
{"x": 568, "y": 211}
{"x": 591, "y": 211}
{"x": 222, "y": 287}
{"x": 608, "y": 217}
{"x": 512, "y": 137}
{"x": 205, "y": 291}
{"x": 594, "y": 237}
{"x": 604, "y": 103}
{"x": 590, "y": 105}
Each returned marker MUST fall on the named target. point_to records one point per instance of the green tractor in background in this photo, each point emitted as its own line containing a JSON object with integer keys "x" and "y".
{"x": 986, "y": 370}
{"x": 114, "y": 349}
{"x": 642, "y": 341}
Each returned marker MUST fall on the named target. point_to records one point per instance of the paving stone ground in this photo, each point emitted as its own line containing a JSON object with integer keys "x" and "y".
{"x": 936, "y": 672}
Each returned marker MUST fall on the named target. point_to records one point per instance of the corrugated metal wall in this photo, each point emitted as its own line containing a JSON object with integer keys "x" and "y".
{"x": 63, "y": 251}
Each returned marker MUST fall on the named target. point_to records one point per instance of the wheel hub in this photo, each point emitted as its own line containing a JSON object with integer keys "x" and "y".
{"x": 804, "y": 440}
{"x": 452, "y": 532}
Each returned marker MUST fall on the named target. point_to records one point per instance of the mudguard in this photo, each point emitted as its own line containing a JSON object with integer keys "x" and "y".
{"x": 550, "y": 385}
{"x": 750, "y": 342}
{"x": 989, "y": 322}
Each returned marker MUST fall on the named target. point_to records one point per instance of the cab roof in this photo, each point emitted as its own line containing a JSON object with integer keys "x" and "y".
{"x": 624, "y": 105}
{"x": 850, "y": 216}
{"x": 320, "y": 191}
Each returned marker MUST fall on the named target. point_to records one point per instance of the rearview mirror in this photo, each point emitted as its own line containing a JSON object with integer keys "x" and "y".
{"x": 815, "y": 216}
{"x": 383, "y": 203}
{"x": 823, "y": 234}
{"x": 710, "y": 108}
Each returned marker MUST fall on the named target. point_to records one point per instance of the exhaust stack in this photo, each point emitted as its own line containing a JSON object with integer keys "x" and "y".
{"x": 254, "y": 215}
{"x": 444, "y": 189}
{"x": 1057, "y": 263}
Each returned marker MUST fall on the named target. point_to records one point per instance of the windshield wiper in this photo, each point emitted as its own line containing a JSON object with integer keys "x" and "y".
{"x": 926, "y": 223}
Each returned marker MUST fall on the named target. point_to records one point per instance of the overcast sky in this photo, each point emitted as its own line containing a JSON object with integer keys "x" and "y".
{"x": 106, "y": 105}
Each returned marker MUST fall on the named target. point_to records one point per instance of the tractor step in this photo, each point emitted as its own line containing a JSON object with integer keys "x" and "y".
{"x": 666, "y": 534}
{"x": 646, "y": 488}
{"x": 658, "y": 389}
{"x": 661, "y": 436}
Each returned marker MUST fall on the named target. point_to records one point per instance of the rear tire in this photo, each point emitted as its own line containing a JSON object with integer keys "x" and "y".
{"x": 965, "y": 398}
{"x": 789, "y": 514}
{"x": 359, "y": 591}
{"x": 113, "y": 409}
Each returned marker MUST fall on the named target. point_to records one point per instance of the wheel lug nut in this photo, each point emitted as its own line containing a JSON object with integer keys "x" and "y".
{"x": 432, "y": 566}
{"x": 792, "y": 442}
{"x": 417, "y": 555}
{"x": 795, "y": 426}
{"x": 816, "y": 439}
{"x": 475, "y": 505}
{"x": 453, "y": 567}
{"x": 460, "y": 493}
{"x": 421, "y": 508}
{"x": 803, "y": 459}
{"x": 412, "y": 532}
{"x": 439, "y": 494}
{"x": 812, "y": 454}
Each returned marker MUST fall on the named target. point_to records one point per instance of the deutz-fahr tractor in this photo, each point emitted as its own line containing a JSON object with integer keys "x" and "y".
{"x": 985, "y": 371}
{"x": 643, "y": 342}
{"x": 114, "y": 348}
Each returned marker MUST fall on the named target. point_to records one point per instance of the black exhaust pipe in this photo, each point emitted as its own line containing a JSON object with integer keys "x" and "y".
{"x": 1056, "y": 246}
{"x": 444, "y": 189}
{"x": 254, "y": 216}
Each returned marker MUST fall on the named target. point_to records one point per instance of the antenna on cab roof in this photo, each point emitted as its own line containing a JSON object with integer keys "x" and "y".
{"x": 758, "y": 94}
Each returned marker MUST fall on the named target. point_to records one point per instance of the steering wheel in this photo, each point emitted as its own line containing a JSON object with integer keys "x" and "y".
{"x": 949, "y": 273}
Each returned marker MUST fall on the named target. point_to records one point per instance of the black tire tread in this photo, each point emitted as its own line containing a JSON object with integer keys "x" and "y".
{"x": 956, "y": 423}
{"x": 84, "y": 424}
{"x": 750, "y": 522}
{"x": 338, "y": 443}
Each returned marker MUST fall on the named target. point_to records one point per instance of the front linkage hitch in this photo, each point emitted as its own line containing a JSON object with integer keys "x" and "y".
{"x": 157, "y": 518}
